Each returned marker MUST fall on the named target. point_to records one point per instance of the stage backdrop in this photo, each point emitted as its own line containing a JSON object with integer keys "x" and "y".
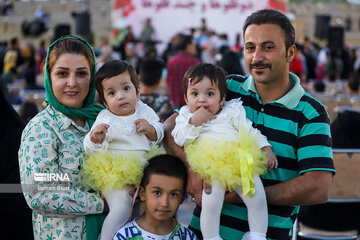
{"x": 170, "y": 17}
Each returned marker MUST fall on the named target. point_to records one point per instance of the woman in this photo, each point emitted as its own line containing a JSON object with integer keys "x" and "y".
{"x": 14, "y": 212}
{"x": 52, "y": 144}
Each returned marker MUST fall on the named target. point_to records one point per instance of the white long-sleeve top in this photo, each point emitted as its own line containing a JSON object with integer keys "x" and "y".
{"x": 225, "y": 126}
{"x": 122, "y": 134}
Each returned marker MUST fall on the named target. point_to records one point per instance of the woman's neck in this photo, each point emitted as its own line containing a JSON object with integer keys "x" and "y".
{"x": 78, "y": 121}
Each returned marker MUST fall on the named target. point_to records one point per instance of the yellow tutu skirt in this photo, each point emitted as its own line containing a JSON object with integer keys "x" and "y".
{"x": 234, "y": 164}
{"x": 106, "y": 171}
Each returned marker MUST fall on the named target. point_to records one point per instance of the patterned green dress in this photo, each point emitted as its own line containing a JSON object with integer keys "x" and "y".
{"x": 50, "y": 157}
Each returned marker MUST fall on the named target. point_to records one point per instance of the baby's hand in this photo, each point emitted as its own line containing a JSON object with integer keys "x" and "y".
{"x": 201, "y": 116}
{"x": 143, "y": 126}
{"x": 272, "y": 160}
{"x": 99, "y": 132}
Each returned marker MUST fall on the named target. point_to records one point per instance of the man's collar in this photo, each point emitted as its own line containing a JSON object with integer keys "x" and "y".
{"x": 289, "y": 100}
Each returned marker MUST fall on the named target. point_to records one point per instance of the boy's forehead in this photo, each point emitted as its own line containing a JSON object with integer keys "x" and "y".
{"x": 165, "y": 182}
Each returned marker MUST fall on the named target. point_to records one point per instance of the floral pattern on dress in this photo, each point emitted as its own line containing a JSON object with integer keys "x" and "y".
{"x": 52, "y": 144}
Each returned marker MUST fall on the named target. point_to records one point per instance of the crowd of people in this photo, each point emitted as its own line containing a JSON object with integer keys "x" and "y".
{"x": 264, "y": 86}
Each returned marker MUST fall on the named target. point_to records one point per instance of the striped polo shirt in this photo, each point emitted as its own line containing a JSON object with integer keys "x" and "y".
{"x": 297, "y": 127}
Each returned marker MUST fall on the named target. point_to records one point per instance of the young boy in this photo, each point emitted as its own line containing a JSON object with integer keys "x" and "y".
{"x": 150, "y": 76}
{"x": 162, "y": 188}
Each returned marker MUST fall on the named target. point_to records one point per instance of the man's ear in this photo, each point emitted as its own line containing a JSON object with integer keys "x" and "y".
{"x": 291, "y": 52}
{"x": 142, "y": 194}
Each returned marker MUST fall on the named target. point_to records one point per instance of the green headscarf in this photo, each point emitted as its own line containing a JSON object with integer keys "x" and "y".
{"x": 90, "y": 110}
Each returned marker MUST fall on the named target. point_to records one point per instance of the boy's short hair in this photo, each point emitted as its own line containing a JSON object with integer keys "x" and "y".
{"x": 216, "y": 74}
{"x": 111, "y": 69}
{"x": 151, "y": 71}
{"x": 167, "y": 165}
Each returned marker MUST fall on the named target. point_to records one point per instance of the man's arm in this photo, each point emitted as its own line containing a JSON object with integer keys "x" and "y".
{"x": 195, "y": 184}
{"x": 168, "y": 142}
{"x": 313, "y": 187}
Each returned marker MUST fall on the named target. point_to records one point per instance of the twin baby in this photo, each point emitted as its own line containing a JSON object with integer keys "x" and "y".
{"x": 219, "y": 141}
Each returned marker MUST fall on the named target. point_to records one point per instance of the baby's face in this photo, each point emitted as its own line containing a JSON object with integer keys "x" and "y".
{"x": 204, "y": 94}
{"x": 120, "y": 94}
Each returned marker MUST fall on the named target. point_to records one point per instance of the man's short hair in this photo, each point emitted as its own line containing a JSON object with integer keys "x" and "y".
{"x": 271, "y": 16}
{"x": 167, "y": 165}
{"x": 183, "y": 41}
{"x": 151, "y": 71}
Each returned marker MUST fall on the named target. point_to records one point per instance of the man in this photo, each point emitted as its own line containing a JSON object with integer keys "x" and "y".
{"x": 296, "y": 125}
{"x": 177, "y": 66}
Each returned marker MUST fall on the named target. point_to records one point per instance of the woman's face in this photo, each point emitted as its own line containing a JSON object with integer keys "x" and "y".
{"x": 70, "y": 79}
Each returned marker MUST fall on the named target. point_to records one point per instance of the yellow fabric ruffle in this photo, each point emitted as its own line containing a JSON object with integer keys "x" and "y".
{"x": 155, "y": 151}
{"x": 106, "y": 171}
{"x": 232, "y": 163}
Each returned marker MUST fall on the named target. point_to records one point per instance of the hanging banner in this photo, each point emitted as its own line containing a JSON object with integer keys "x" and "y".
{"x": 170, "y": 17}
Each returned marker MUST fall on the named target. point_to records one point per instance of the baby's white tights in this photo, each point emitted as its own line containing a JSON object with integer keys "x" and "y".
{"x": 256, "y": 206}
{"x": 120, "y": 209}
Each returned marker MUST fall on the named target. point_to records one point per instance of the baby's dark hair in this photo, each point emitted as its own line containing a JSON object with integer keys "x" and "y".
{"x": 111, "y": 69}
{"x": 151, "y": 71}
{"x": 216, "y": 74}
{"x": 167, "y": 165}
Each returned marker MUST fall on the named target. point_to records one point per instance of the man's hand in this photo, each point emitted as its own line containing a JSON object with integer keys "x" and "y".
{"x": 106, "y": 206}
{"x": 201, "y": 116}
{"x": 99, "y": 132}
{"x": 195, "y": 187}
{"x": 168, "y": 142}
{"x": 232, "y": 197}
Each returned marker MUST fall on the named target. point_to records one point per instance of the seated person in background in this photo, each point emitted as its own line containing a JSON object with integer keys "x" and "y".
{"x": 333, "y": 84}
{"x": 162, "y": 189}
{"x": 346, "y": 129}
{"x": 319, "y": 87}
{"x": 30, "y": 79}
{"x": 353, "y": 84}
{"x": 345, "y": 132}
{"x": 9, "y": 76}
{"x": 150, "y": 76}
{"x": 28, "y": 110}
{"x": 230, "y": 62}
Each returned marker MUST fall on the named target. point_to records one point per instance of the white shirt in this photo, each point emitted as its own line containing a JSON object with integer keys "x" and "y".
{"x": 224, "y": 126}
{"x": 133, "y": 230}
{"x": 122, "y": 134}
